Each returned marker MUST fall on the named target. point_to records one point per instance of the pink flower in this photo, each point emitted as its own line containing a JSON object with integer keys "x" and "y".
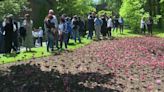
{"x": 158, "y": 82}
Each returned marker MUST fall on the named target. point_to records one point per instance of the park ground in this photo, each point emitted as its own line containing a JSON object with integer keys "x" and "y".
{"x": 128, "y": 63}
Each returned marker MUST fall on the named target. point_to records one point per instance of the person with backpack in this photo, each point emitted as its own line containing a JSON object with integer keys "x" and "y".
{"x": 97, "y": 24}
{"x": 28, "y": 25}
{"x": 63, "y": 33}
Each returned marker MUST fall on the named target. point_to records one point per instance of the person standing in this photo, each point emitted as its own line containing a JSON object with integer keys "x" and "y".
{"x": 63, "y": 33}
{"x": 35, "y": 34}
{"x": 1, "y": 38}
{"x": 69, "y": 28}
{"x": 121, "y": 24}
{"x": 75, "y": 24}
{"x": 150, "y": 25}
{"x": 50, "y": 33}
{"x": 90, "y": 25}
{"x": 40, "y": 34}
{"x": 143, "y": 26}
{"x": 98, "y": 24}
{"x": 8, "y": 32}
{"x": 109, "y": 26}
{"x": 115, "y": 23}
{"x": 54, "y": 21}
{"x": 15, "y": 36}
{"x": 104, "y": 26}
{"x": 28, "y": 25}
{"x": 81, "y": 27}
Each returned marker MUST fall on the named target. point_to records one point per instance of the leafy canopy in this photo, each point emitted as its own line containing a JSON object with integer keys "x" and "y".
{"x": 11, "y": 6}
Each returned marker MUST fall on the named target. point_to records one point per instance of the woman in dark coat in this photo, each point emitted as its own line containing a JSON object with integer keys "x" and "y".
{"x": 104, "y": 26}
{"x": 8, "y": 28}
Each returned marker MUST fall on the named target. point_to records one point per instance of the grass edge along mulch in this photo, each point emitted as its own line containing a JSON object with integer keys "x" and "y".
{"x": 39, "y": 52}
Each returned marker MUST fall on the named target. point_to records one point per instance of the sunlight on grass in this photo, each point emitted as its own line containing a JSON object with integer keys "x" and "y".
{"x": 38, "y": 52}
{"x": 126, "y": 33}
{"x": 130, "y": 33}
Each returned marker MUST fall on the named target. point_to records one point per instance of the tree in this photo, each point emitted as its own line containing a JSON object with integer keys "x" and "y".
{"x": 154, "y": 9}
{"x": 70, "y": 7}
{"x": 11, "y": 6}
{"x": 132, "y": 11}
{"x": 112, "y": 5}
{"x": 102, "y": 12}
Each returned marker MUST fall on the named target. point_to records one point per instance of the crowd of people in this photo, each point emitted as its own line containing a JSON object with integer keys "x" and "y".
{"x": 59, "y": 33}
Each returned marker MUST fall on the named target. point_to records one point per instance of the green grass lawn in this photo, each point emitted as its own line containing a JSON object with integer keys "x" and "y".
{"x": 126, "y": 33}
{"x": 38, "y": 52}
{"x": 130, "y": 33}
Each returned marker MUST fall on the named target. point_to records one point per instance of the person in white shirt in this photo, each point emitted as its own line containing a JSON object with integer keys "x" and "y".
{"x": 35, "y": 35}
{"x": 109, "y": 26}
{"x": 143, "y": 26}
{"x": 40, "y": 35}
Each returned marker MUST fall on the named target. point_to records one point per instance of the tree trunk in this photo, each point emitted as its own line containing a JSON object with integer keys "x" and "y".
{"x": 159, "y": 13}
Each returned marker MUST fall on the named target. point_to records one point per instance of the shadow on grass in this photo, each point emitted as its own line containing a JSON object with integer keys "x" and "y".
{"x": 30, "y": 51}
{"x": 134, "y": 32}
{"x": 155, "y": 32}
{"x": 30, "y": 78}
{"x": 71, "y": 44}
{"x": 10, "y": 55}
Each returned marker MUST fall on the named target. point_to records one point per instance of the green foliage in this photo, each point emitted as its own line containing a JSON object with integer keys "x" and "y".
{"x": 69, "y": 7}
{"x": 11, "y": 6}
{"x": 112, "y": 5}
{"x": 162, "y": 6}
{"x": 72, "y": 7}
{"x": 102, "y": 12}
{"x": 132, "y": 11}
